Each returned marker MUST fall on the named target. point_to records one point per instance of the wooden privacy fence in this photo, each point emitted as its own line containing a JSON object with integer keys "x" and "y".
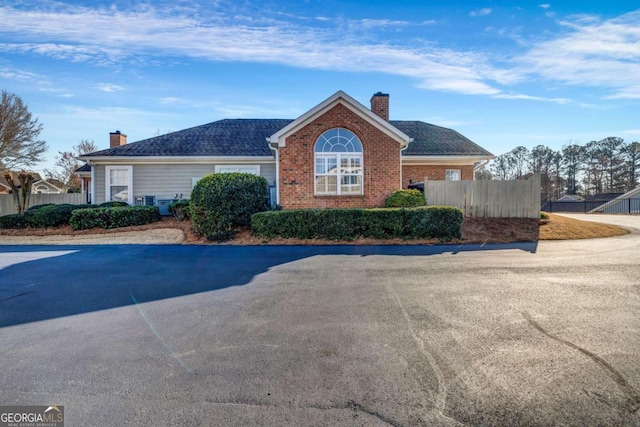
{"x": 488, "y": 199}
{"x": 7, "y": 205}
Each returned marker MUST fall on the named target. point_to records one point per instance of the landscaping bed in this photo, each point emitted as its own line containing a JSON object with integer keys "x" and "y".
{"x": 494, "y": 230}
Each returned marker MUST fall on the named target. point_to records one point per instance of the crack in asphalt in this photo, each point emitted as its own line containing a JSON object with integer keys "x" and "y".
{"x": 441, "y": 395}
{"x": 633, "y": 398}
{"x": 16, "y": 296}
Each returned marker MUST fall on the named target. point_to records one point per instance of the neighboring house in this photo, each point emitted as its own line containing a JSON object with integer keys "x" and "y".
{"x": 570, "y": 198}
{"x": 338, "y": 154}
{"x": 39, "y": 186}
{"x": 84, "y": 172}
{"x": 627, "y": 203}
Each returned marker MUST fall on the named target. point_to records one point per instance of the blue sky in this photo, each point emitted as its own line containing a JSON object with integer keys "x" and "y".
{"x": 501, "y": 74}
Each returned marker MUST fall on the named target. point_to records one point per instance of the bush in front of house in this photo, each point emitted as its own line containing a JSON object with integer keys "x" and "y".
{"x": 113, "y": 204}
{"x": 428, "y": 222}
{"x": 36, "y": 207}
{"x": 119, "y": 216}
{"x": 180, "y": 209}
{"x": 440, "y": 222}
{"x": 405, "y": 199}
{"x": 50, "y": 215}
{"x": 222, "y": 202}
{"x": 12, "y": 221}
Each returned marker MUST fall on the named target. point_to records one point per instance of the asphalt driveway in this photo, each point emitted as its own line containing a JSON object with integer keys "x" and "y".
{"x": 522, "y": 334}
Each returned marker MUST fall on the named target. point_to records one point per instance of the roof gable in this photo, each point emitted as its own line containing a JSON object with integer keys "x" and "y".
{"x": 339, "y": 98}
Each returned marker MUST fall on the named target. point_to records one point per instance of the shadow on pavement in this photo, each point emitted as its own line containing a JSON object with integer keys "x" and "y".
{"x": 47, "y": 282}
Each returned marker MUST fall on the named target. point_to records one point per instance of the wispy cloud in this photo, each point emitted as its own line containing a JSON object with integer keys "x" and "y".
{"x": 591, "y": 52}
{"x": 588, "y": 51}
{"x": 480, "y": 12}
{"x": 545, "y": 5}
{"x": 532, "y": 98}
{"x": 109, "y": 87}
{"x": 127, "y": 35}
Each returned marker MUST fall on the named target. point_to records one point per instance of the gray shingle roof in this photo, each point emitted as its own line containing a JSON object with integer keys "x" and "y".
{"x": 432, "y": 140}
{"x": 229, "y": 137}
{"x": 248, "y": 137}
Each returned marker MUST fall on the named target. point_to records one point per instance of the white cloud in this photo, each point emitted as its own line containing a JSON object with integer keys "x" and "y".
{"x": 131, "y": 35}
{"x": 592, "y": 52}
{"x": 109, "y": 87}
{"x": 480, "y": 12}
{"x": 532, "y": 98}
{"x": 544, "y": 6}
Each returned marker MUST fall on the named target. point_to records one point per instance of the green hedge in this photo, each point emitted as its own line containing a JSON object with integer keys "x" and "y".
{"x": 113, "y": 204}
{"x": 405, "y": 199}
{"x": 50, "y": 215}
{"x": 432, "y": 222}
{"x": 180, "y": 209}
{"x": 222, "y": 202}
{"x": 119, "y": 216}
{"x": 12, "y": 221}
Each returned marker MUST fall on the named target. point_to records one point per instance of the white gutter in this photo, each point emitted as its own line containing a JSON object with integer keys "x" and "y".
{"x": 178, "y": 159}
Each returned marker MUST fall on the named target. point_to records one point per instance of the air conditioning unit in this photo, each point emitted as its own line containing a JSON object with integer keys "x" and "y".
{"x": 163, "y": 206}
{"x": 145, "y": 200}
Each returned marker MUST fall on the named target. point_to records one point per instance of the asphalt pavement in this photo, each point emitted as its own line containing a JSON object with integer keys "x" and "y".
{"x": 520, "y": 334}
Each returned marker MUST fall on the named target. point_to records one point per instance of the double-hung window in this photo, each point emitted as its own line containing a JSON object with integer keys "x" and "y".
{"x": 119, "y": 183}
{"x": 452, "y": 175}
{"x": 338, "y": 163}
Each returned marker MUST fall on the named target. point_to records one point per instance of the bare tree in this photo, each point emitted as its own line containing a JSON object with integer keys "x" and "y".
{"x": 19, "y": 145}
{"x": 21, "y": 191}
{"x": 66, "y": 164}
{"x": 632, "y": 165}
{"x": 572, "y": 162}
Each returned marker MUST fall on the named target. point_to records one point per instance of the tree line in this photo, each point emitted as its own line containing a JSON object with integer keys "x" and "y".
{"x": 610, "y": 165}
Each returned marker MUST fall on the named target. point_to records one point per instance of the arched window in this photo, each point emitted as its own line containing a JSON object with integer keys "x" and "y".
{"x": 338, "y": 160}
{"x": 42, "y": 189}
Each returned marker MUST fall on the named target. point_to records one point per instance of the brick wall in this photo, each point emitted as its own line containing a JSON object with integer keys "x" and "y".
{"x": 381, "y": 161}
{"x": 437, "y": 173}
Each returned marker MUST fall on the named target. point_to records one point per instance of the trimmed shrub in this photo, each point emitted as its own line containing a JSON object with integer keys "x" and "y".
{"x": 50, "y": 215}
{"x": 440, "y": 222}
{"x": 12, "y": 221}
{"x": 119, "y": 216}
{"x": 405, "y": 199}
{"x": 113, "y": 204}
{"x": 36, "y": 207}
{"x": 180, "y": 209}
{"x": 222, "y": 202}
{"x": 432, "y": 222}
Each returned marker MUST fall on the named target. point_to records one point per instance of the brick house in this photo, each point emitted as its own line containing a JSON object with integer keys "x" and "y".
{"x": 338, "y": 154}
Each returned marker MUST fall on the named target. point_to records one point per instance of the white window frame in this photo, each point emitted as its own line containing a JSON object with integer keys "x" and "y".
{"x": 338, "y": 156}
{"x": 107, "y": 182}
{"x": 252, "y": 169}
{"x": 456, "y": 172}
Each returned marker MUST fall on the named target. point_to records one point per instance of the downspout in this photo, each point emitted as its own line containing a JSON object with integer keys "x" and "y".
{"x": 401, "y": 150}
{"x": 277, "y": 154}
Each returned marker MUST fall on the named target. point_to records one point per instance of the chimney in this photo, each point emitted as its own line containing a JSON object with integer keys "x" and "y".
{"x": 116, "y": 139}
{"x": 380, "y": 105}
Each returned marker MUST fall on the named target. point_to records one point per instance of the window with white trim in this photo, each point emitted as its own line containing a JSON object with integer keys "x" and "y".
{"x": 119, "y": 183}
{"x": 452, "y": 175}
{"x": 338, "y": 163}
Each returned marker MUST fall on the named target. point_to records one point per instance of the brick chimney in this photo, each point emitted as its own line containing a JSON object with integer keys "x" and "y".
{"x": 116, "y": 139}
{"x": 380, "y": 105}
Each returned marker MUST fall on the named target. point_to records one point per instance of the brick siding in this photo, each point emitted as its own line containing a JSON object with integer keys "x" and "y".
{"x": 381, "y": 161}
{"x": 432, "y": 172}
